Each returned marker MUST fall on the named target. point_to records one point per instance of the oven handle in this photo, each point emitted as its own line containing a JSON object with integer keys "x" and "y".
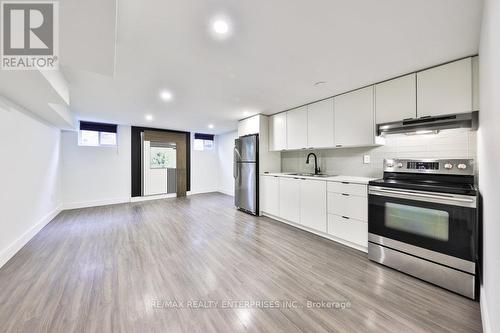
{"x": 440, "y": 198}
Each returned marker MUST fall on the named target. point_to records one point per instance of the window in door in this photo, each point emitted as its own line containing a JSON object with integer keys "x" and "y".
{"x": 420, "y": 221}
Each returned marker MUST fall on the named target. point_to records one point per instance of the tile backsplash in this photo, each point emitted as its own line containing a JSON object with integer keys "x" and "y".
{"x": 455, "y": 143}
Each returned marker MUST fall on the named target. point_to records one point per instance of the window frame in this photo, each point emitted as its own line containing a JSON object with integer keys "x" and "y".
{"x": 204, "y": 138}
{"x": 99, "y": 140}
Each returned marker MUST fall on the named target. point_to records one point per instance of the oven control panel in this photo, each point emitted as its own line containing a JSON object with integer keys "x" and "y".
{"x": 448, "y": 166}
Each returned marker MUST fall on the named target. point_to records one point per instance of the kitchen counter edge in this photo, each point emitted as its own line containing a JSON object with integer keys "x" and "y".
{"x": 339, "y": 178}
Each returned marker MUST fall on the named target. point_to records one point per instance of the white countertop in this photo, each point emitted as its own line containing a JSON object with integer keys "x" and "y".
{"x": 339, "y": 178}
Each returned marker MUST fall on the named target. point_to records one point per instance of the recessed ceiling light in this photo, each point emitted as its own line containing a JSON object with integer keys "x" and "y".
{"x": 246, "y": 113}
{"x": 149, "y": 117}
{"x": 220, "y": 27}
{"x": 210, "y": 126}
{"x": 166, "y": 95}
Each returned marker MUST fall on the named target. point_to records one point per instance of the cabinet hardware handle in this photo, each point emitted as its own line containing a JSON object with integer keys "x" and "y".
{"x": 345, "y": 183}
{"x": 345, "y": 194}
{"x": 345, "y": 217}
{"x": 338, "y": 145}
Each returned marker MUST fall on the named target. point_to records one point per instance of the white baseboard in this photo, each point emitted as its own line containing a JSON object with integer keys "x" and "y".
{"x": 153, "y": 197}
{"x": 485, "y": 318}
{"x": 95, "y": 203}
{"x": 18, "y": 244}
{"x": 201, "y": 191}
{"x": 226, "y": 192}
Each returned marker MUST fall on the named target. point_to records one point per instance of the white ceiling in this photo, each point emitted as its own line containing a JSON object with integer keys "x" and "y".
{"x": 277, "y": 51}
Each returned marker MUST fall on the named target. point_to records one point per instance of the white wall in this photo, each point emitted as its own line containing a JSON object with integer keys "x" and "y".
{"x": 30, "y": 195}
{"x": 458, "y": 143}
{"x": 225, "y": 146}
{"x": 94, "y": 176}
{"x": 203, "y": 169}
{"x": 489, "y": 162}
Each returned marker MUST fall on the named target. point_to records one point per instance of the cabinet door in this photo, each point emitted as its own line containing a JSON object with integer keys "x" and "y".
{"x": 351, "y": 230}
{"x": 249, "y": 126}
{"x": 396, "y": 99}
{"x": 475, "y": 83}
{"x": 313, "y": 204}
{"x": 270, "y": 195}
{"x": 445, "y": 89}
{"x": 320, "y": 125}
{"x": 354, "y": 118}
{"x": 277, "y": 132}
{"x": 289, "y": 199}
{"x": 296, "y": 128}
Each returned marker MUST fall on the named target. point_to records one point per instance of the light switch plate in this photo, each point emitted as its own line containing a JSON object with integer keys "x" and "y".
{"x": 366, "y": 159}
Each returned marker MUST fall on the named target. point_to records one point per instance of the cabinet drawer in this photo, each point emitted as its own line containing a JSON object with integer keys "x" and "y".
{"x": 348, "y": 188}
{"x": 348, "y": 205}
{"x": 348, "y": 229}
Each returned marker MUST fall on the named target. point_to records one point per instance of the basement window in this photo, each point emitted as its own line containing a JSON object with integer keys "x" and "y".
{"x": 97, "y": 134}
{"x": 203, "y": 142}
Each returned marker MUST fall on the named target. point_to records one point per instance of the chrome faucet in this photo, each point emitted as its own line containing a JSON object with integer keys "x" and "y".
{"x": 316, "y": 169}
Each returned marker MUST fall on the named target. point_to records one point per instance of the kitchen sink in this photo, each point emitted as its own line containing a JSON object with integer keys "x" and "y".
{"x": 319, "y": 175}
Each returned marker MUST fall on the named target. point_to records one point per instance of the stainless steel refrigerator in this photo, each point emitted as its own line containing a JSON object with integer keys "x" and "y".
{"x": 245, "y": 173}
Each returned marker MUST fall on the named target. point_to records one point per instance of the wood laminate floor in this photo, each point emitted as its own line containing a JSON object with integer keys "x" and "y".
{"x": 142, "y": 267}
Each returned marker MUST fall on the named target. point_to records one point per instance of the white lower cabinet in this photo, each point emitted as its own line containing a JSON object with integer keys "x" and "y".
{"x": 348, "y": 205}
{"x": 313, "y": 204}
{"x": 348, "y": 229}
{"x": 338, "y": 209}
{"x": 270, "y": 195}
{"x": 289, "y": 199}
{"x": 348, "y": 212}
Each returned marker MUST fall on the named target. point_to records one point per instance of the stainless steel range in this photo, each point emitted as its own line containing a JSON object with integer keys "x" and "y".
{"x": 422, "y": 220}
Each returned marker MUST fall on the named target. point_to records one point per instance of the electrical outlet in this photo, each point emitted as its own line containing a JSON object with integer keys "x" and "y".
{"x": 366, "y": 159}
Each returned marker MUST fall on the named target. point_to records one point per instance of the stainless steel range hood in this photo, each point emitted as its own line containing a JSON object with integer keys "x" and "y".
{"x": 459, "y": 120}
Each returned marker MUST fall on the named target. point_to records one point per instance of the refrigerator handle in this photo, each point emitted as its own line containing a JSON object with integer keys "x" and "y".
{"x": 235, "y": 168}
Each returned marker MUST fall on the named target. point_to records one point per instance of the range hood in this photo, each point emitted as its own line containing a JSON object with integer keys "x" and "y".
{"x": 459, "y": 120}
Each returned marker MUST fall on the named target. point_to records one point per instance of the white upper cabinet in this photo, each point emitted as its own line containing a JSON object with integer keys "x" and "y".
{"x": 354, "y": 118}
{"x": 296, "y": 128}
{"x": 445, "y": 89}
{"x": 320, "y": 126}
{"x": 249, "y": 126}
{"x": 277, "y": 132}
{"x": 313, "y": 204}
{"x": 289, "y": 198}
{"x": 475, "y": 83}
{"x": 396, "y": 99}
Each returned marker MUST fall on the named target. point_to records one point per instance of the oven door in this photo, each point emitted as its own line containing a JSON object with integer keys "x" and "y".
{"x": 442, "y": 223}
